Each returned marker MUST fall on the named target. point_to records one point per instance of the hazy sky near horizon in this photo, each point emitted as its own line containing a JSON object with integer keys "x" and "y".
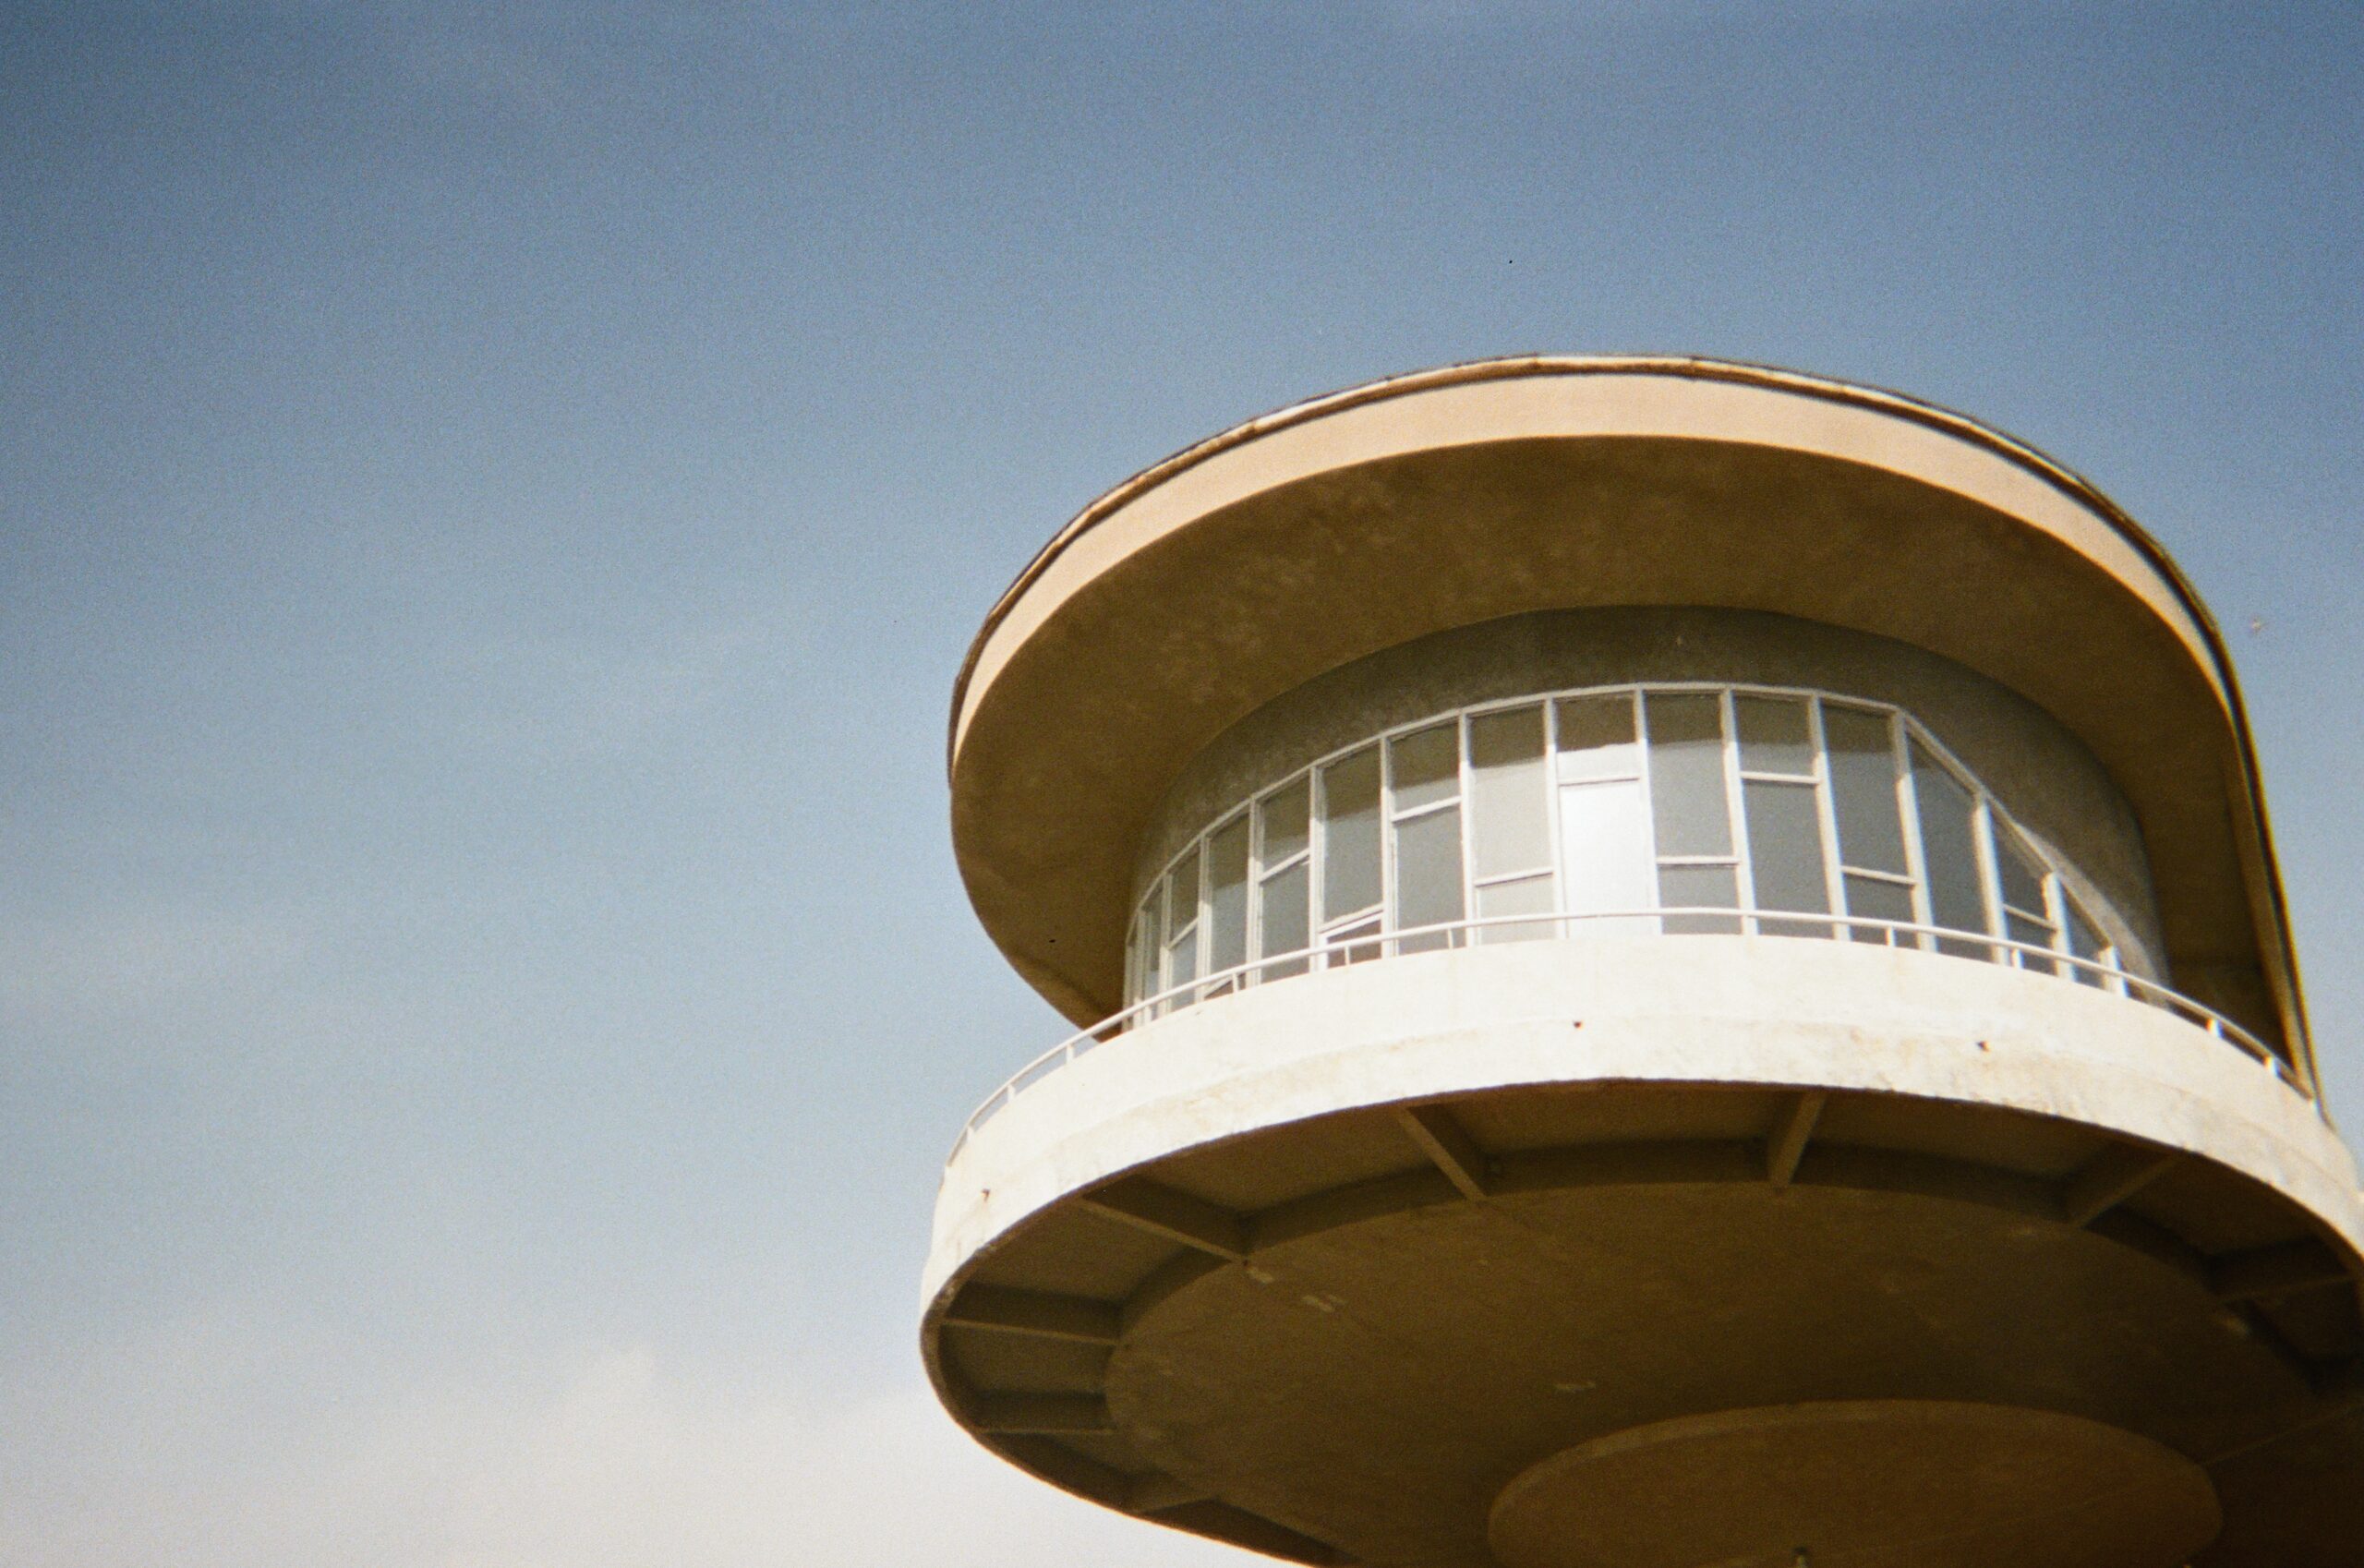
{"x": 492, "y": 499}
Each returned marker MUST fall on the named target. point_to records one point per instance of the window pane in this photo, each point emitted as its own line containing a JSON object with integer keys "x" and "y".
{"x": 1869, "y": 898}
{"x": 1510, "y": 829}
{"x": 1280, "y": 917}
{"x": 1182, "y": 895}
{"x": 1284, "y": 815}
{"x": 1133, "y": 953}
{"x": 1182, "y": 962}
{"x": 1181, "y": 927}
{"x": 1785, "y": 853}
{"x": 2085, "y": 939}
{"x": 1530, "y": 895}
{"x": 1948, "y": 843}
{"x": 1597, "y": 738}
{"x": 1863, "y": 789}
{"x": 1774, "y": 736}
{"x": 1350, "y": 833}
{"x": 1227, "y": 896}
{"x": 1425, "y": 766}
{"x": 2022, "y": 873}
{"x": 1356, "y": 944}
{"x": 2020, "y": 928}
{"x": 1699, "y": 886}
{"x": 1154, "y": 943}
{"x": 1427, "y": 875}
{"x": 1687, "y": 774}
{"x": 1605, "y": 854}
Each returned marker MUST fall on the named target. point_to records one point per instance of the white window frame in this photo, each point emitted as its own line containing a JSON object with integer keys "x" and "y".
{"x": 1364, "y": 933}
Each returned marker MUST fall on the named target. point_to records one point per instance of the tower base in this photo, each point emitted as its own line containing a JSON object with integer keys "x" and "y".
{"x": 1862, "y": 1483}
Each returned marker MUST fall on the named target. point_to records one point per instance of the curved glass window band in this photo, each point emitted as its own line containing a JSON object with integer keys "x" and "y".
{"x": 1777, "y": 804}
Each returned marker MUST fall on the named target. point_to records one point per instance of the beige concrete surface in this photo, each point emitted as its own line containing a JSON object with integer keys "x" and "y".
{"x": 1320, "y": 1268}
{"x": 1707, "y": 1010}
{"x": 1429, "y": 1263}
{"x": 1242, "y": 569}
{"x": 1860, "y": 1484}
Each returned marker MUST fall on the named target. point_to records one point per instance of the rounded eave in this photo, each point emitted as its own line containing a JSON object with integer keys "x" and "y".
{"x": 1249, "y": 564}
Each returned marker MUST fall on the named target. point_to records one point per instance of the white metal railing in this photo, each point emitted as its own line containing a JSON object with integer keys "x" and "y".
{"x": 1337, "y": 954}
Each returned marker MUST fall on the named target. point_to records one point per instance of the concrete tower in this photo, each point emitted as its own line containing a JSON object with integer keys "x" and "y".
{"x": 1681, "y": 967}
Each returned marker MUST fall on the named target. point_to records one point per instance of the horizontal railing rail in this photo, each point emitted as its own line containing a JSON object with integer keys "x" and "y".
{"x": 1339, "y": 953}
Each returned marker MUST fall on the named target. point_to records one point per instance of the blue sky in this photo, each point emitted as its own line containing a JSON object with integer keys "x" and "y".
{"x": 492, "y": 500}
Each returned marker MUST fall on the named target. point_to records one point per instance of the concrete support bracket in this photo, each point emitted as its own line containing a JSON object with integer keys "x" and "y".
{"x": 1176, "y": 1216}
{"x": 1014, "y": 1412}
{"x": 1788, "y": 1142}
{"x": 1035, "y": 1312}
{"x": 2110, "y": 1179}
{"x": 1445, "y": 1141}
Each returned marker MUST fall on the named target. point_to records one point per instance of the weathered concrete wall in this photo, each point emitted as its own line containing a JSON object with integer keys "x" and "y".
{"x": 2046, "y": 778}
{"x": 1709, "y": 1010}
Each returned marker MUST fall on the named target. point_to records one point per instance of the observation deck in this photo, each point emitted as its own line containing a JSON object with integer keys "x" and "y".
{"x": 1679, "y": 964}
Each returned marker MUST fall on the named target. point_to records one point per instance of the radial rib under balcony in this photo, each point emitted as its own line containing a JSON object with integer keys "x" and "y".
{"x": 1629, "y": 1180}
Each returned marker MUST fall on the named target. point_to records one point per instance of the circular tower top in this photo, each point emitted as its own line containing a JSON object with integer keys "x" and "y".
{"x": 1240, "y": 568}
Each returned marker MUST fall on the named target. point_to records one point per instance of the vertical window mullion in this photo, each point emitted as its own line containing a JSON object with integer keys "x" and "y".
{"x": 1386, "y": 846}
{"x": 1834, "y": 855}
{"x": 1183, "y": 926}
{"x": 1469, "y": 833}
{"x": 1908, "y": 804}
{"x": 1142, "y": 949}
{"x": 1317, "y": 861}
{"x": 1154, "y": 971}
{"x": 1132, "y": 960}
{"x": 1153, "y": 927}
{"x": 1551, "y": 817}
{"x": 1147, "y": 970}
{"x": 1645, "y": 773}
{"x": 1201, "y": 948}
{"x": 1164, "y": 929}
{"x": 1253, "y": 921}
{"x": 1997, "y": 923}
{"x": 1736, "y": 813}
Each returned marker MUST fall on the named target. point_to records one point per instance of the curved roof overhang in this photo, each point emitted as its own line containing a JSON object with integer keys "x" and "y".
{"x": 1236, "y": 570}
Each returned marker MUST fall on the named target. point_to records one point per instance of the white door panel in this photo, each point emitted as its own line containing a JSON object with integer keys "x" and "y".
{"x": 1605, "y": 854}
